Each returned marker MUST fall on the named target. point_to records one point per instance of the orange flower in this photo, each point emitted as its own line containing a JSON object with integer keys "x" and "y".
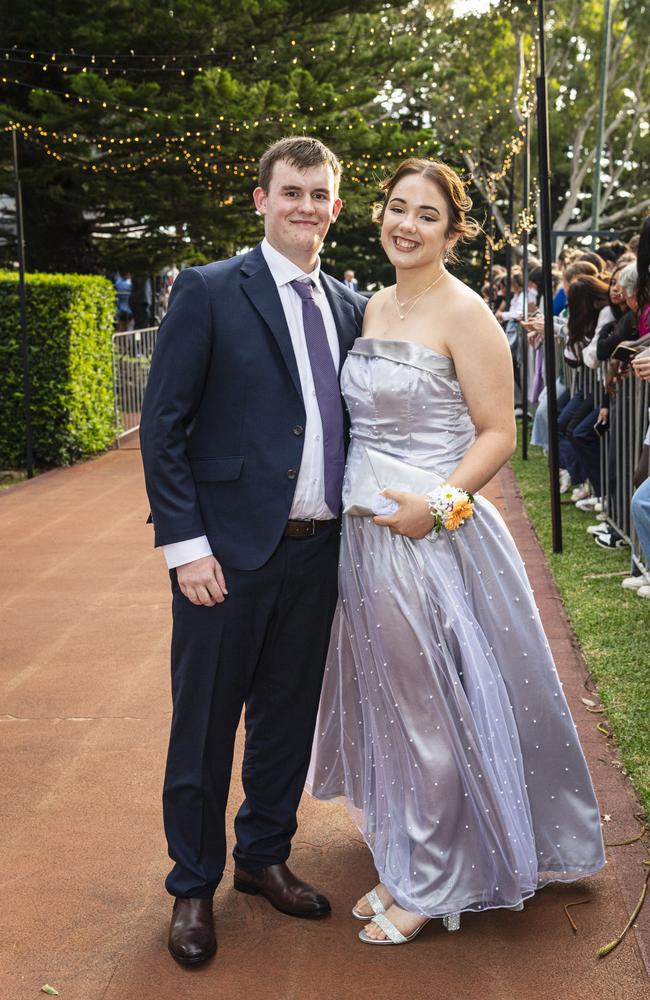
{"x": 461, "y": 511}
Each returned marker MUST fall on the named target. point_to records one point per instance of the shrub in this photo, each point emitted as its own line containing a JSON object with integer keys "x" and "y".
{"x": 70, "y": 322}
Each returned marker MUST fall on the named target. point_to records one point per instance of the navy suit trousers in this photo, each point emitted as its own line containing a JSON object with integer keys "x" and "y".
{"x": 264, "y": 649}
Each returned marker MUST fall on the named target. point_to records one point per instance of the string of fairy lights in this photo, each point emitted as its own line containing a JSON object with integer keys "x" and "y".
{"x": 106, "y": 145}
{"x": 198, "y": 148}
{"x": 204, "y": 165}
{"x": 73, "y": 60}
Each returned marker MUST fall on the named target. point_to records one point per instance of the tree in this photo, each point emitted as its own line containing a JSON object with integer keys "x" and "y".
{"x": 151, "y": 159}
{"x": 577, "y": 52}
{"x": 491, "y": 95}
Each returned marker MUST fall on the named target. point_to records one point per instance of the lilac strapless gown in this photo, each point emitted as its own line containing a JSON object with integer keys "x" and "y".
{"x": 442, "y": 721}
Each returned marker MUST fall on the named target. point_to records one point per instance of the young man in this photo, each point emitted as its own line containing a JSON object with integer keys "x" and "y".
{"x": 243, "y": 443}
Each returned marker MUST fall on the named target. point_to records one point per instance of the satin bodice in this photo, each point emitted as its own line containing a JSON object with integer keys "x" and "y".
{"x": 404, "y": 398}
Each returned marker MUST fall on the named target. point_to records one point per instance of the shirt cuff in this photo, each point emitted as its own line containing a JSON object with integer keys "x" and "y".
{"x": 179, "y": 553}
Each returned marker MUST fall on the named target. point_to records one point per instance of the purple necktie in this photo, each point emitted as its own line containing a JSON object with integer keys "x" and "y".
{"x": 328, "y": 393}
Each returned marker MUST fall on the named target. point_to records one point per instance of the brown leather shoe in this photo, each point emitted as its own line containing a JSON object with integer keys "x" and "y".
{"x": 283, "y": 890}
{"x": 191, "y": 932}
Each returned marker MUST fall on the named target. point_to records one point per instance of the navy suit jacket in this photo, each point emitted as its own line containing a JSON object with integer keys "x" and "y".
{"x": 222, "y": 426}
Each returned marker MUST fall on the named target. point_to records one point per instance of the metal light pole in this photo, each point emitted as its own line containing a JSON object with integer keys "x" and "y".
{"x": 600, "y": 125}
{"x": 525, "y": 204}
{"x": 490, "y": 256}
{"x": 24, "y": 340}
{"x": 511, "y": 220}
{"x": 547, "y": 283}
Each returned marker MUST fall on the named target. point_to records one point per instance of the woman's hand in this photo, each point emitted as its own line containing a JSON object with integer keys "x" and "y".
{"x": 641, "y": 368}
{"x": 535, "y": 323}
{"x": 534, "y": 327}
{"x": 413, "y": 518}
{"x": 603, "y": 415}
{"x": 616, "y": 372}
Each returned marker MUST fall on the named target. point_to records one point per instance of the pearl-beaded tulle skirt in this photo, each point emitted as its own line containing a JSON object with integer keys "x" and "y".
{"x": 442, "y": 721}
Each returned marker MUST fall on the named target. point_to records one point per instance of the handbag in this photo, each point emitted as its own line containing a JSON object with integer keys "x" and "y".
{"x": 378, "y": 471}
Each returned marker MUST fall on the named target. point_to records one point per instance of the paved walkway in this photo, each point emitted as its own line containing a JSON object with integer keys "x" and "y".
{"x": 85, "y": 702}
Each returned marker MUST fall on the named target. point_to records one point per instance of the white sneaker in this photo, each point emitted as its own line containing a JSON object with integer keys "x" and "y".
{"x": 597, "y": 529}
{"x": 591, "y": 504}
{"x": 581, "y": 492}
{"x": 634, "y": 582}
{"x": 643, "y": 592}
{"x": 565, "y": 481}
{"x": 612, "y": 540}
{"x": 601, "y": 516}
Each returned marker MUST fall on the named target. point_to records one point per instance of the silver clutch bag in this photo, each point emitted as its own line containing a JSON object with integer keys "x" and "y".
{"x": 378, "y": 471}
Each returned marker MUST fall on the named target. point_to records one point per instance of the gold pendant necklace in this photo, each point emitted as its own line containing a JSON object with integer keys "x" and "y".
{"x": 400, "y": 305}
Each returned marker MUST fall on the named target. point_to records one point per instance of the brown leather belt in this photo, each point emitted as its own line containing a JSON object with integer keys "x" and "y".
{"x": 306, "y": 529}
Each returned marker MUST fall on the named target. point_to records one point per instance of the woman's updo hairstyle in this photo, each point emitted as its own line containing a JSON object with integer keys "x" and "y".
{"x": 457, "y": 199}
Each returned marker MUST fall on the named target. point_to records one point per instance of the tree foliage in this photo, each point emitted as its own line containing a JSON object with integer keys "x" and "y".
{"x": 110, "y": 184}
{"x": 494, "y": 92}
{"x": 70, "y": 321}
{"x": 175, "y": 181}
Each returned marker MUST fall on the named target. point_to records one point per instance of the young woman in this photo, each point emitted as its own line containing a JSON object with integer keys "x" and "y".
{"x": 510, "y": 318}
{"x": 579, "y": 445}
{"x": 442, "y": 719}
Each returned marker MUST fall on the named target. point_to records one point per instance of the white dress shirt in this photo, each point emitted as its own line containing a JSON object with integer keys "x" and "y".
{"x": 309, "y": 498}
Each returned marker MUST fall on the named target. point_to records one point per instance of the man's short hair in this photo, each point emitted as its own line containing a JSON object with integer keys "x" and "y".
{"x": 301, "y": 151}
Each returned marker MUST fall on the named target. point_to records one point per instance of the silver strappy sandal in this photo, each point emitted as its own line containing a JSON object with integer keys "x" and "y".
{"x": 374, "y": 902}
{"x": 393, "y": 936}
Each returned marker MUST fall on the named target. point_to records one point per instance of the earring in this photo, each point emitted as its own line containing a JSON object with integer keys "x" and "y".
{"x": 445, "y": 257}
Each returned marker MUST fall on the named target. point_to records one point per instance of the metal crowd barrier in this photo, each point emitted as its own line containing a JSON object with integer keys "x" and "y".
{"x": 620, "y": 447}
{"x": 132, "y": 353}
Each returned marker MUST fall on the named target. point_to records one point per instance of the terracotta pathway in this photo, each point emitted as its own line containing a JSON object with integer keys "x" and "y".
{"x": 85, "y": 714}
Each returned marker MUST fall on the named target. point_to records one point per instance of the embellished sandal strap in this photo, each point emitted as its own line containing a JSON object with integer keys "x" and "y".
{"x": 375, "y": 903}
{"x": 388, "y": 928}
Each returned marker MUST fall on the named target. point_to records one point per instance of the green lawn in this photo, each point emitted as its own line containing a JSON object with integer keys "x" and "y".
{"x": 612, "y": 624}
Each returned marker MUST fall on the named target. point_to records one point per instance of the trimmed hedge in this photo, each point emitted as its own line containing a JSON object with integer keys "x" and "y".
{"x": 70, "y": 322}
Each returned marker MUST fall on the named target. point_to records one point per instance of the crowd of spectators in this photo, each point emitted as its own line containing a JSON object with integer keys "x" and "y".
{"x": 601, "y": 321}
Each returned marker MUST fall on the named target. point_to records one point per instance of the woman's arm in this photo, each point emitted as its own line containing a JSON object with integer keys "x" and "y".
{"x": 484, "y": 367}
{"x": 610, "y": 337}
{"x": 515, "y": 310}
{"x": 589, "y": 355}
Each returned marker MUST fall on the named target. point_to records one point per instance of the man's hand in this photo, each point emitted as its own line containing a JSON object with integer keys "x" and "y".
{"x": 202, "y": 581}
{"x": 413, "y": 518}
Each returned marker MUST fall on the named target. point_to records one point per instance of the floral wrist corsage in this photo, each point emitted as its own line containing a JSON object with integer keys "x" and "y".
{"x": 449, "y": 507}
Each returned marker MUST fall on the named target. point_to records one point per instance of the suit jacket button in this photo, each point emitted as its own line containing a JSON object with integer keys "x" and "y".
{"x": 292, "y": 473}
{"x": 298, "y": 430}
